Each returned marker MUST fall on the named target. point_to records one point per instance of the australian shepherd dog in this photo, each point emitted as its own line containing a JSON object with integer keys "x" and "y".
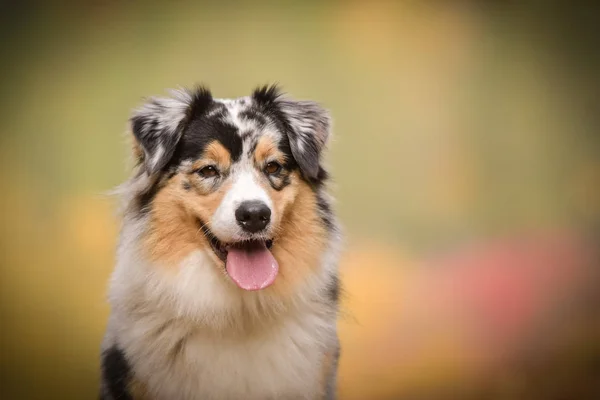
{"x": 226, "y": 283}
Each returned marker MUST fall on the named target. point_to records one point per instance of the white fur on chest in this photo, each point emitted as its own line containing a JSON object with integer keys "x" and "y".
{"x": 179, "y": 363}
{"x": 173, "y": 328}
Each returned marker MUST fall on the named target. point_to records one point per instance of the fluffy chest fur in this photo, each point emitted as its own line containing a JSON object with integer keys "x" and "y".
{"x": 183, "y": 362}
{"x": 186, "y": 335}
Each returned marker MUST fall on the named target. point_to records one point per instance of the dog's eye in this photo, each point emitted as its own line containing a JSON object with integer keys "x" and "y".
{"x": 272, "y": 168}
{"x": 208, "y": 172}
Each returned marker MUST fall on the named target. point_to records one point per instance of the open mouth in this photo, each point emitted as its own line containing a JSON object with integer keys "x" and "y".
{"x": 222, "y": 249}
{"x": 248, "y": 263}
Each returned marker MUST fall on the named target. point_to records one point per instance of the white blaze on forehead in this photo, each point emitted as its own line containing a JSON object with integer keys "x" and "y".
{"x": 234, "y": 107}
{"x": 244, "y": 188}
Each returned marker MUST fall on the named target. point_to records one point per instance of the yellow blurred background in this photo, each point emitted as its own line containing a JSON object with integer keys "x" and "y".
{"x": 466, "y": 164}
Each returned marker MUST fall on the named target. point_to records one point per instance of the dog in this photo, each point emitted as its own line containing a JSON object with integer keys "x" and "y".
{"x": 226, "y": 282}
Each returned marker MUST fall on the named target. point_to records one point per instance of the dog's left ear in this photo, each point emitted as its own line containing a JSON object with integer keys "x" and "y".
{"x": 157, "y": 128}
{"x": 159, "y": 124}
{"x": 309, "y": 132}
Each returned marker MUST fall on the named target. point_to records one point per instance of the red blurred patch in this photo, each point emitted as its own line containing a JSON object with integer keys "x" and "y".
{"x": 506, "y": 288}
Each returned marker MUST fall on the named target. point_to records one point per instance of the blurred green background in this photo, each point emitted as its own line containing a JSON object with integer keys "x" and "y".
{"x": 466, "y": 165}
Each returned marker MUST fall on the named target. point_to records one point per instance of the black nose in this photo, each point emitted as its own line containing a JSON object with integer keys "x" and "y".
{"x": 253, "y": 216}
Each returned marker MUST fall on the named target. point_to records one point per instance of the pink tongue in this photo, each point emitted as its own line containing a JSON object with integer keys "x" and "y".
{"x": 252, "y": 268}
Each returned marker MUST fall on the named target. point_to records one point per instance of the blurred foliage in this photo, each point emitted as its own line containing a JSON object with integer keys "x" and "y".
{"x": 455, "y": 125}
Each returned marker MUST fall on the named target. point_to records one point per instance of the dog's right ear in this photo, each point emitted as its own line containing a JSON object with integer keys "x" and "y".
{"x": 158, "y": 125}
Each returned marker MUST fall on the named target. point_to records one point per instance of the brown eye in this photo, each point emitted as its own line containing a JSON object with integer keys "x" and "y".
{"x": 272, "y": 168}
{"x": 209, "y": 171}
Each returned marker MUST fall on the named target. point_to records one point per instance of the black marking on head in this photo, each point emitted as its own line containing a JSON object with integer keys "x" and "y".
{"x": 217, "y": 110}
{"x": 266, "y": 94}
{"x": 159, "y": 124}
{"x": 116, "y": 374}
{"x": 201, "y": 101}
{"x": 186, "y": 186}
{"x": 266, "y": 100}
{"x": 201, "y": 132}
{"x": 252, "y": 114}
{"x": 325, "y": 212}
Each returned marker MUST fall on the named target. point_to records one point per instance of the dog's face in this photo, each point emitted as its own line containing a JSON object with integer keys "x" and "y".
{"x": 239, "y": 179}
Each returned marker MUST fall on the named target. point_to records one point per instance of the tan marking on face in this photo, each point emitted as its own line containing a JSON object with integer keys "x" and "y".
{"x": 174, "y": 229}
{"x": 214, "y": 152}
{"x": 282, "y": 199}
{"x": 266, "y": 149}
{"x": 301, "y": 237}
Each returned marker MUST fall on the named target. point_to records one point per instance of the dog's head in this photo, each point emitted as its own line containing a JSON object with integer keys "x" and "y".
{"x": 239, "y": 179}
